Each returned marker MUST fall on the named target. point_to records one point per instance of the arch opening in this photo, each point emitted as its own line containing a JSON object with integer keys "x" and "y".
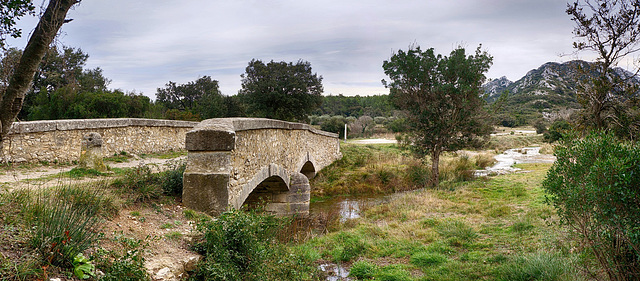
{"x": 308, "y": 170}
{"x": 265, "y": 193}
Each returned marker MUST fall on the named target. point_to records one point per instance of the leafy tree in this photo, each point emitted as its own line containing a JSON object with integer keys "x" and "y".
{"x": 201, "y": 98}
{"x": 611, "y": 29}
{"x": 60, "y": 68}
{"x": 557, "y": 130}
{"x": 593, "y": 185}
{"x": 334, "y": 124}
{"x": 281, "y": 90}
{"x": 68, "y": 103}
{"x": 10, "y": 12}
{"x": 442, "y": 97}
{"x": 13, "y": 95}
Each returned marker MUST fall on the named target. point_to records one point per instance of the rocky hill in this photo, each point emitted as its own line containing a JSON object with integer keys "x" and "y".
{"x": 545, "y": 91}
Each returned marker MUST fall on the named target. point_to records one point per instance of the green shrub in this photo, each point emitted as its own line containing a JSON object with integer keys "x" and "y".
{"x": 83, "y": 172}
{"x": 593, "y": 185}
{"x": 484, "y": 160}
{"x": 458, "y": 169}
{"x": 140, "y": 183}
{"x": 172, "y": 179}
{"x": 362, "y": 270}
{"x": 241, "y": 245}
{"x": 557, "y": 130}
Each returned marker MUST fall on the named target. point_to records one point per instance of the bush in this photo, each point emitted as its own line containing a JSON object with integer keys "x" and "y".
{"x": 458, "y": 169}
{"x": 348, "y": 246}
{"x": 557, "y": 130}
{"x": 172, "y": 179}
{"x": 398, "y": 125}
{"x": 241, "y": 245}
{"x": 593, "y": 185}
{"x": 540, "y": 126}
{"x": 142, "y": 184}
{"x": 334, "y": 124}
{"x": 457, "y": 230}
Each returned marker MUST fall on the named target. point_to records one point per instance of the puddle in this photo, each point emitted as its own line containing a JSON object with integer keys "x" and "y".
{"x": 335, "y": 272}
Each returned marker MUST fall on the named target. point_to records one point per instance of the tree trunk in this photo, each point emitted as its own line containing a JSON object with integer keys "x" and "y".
{"x": 43, "y": 35}
{"x": 435, "y": 170}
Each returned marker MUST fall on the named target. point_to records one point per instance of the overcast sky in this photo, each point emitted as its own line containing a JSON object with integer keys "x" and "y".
{"x": 143, "y": 44}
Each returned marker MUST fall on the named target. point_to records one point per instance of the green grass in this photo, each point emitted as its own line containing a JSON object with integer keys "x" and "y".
{"x": 472, "y": 231}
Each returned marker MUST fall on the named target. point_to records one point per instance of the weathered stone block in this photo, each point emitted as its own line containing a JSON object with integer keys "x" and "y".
{"x": 205, "y": 140}
{"x": 204, "y": 192}
{"x": 91, "y": 152}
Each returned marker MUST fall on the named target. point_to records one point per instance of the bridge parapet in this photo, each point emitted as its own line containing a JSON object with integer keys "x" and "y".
{"x": 237, "y": 161}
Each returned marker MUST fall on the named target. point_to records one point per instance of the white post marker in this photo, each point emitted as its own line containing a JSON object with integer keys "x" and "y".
{"x": 345, "y": 132}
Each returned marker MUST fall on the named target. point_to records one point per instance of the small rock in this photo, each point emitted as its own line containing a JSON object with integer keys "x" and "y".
{"x": 191, "y": 263}
{"x": 164, "y": 274}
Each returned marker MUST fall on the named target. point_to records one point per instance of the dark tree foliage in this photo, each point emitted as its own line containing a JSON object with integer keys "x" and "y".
{"x": 60, "y": 69}
{"x": 611, "y": 29}
{"x": 356, "y": 106}
{"x": 281, "y": 90}
{"x": 68, "y": 103}
{"x": 10, "y": 12}
{"x": 200, "y": 98}
{"x": 442, "y": 98}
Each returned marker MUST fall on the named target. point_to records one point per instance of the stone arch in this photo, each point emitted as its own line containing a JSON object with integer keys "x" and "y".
{"x": 307, "y": 166}
{"x": 263, "y": 194}
{"x": 272, "y": 176}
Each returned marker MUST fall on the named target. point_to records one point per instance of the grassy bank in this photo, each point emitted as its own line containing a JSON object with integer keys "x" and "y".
{"x": 384, "y": 169}
{"x": 493, "y": 229}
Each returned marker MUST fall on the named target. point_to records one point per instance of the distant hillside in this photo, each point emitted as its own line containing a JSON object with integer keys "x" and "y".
{"x": 545, "y": 91}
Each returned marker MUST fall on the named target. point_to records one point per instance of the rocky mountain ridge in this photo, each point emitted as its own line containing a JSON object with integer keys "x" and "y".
{"x": 542, "y": 92}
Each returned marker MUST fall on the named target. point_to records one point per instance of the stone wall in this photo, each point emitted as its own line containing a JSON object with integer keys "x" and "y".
{"x": 60, "y": 140}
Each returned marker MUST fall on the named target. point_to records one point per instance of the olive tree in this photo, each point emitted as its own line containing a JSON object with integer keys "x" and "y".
{"x": 442, "y": 98}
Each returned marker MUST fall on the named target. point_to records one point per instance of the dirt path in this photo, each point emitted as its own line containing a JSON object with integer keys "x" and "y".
{"x": 45, "y": 176}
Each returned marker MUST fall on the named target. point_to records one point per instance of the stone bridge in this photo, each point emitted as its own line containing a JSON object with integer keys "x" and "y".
{"x": 235, "y": 162}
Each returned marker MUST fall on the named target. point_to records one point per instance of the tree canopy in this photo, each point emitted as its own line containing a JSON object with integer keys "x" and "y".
{"x": 200, "y": 98}
{"x": 442, "y": 98}
{"x": 281, "y": 90}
